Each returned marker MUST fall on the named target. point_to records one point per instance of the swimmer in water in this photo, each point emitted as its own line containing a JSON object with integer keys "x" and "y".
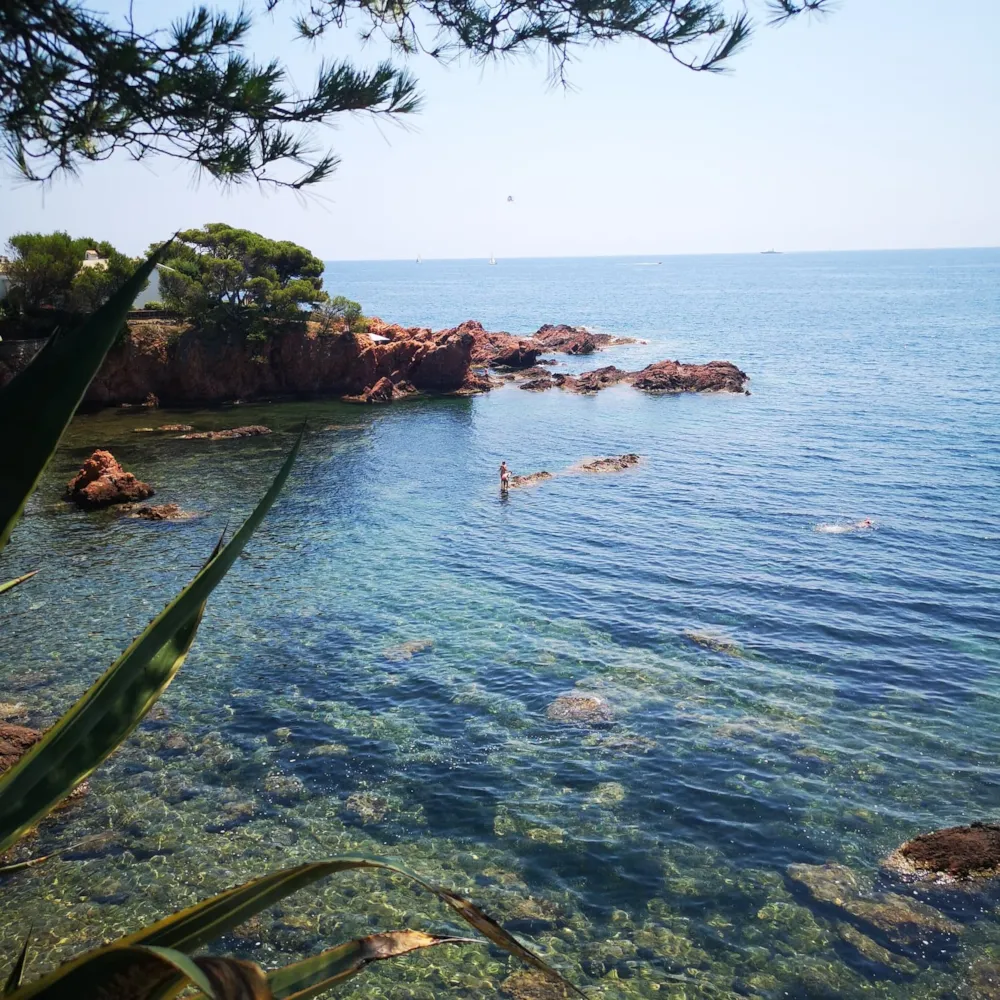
{"x": 504, "y": 477}
{"x": 866, "y": 523}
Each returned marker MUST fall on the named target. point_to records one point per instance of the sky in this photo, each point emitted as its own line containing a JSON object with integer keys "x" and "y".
{"x": 876, "y": 126}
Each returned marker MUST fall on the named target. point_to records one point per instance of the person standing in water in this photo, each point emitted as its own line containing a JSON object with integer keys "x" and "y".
{"x": 504, "y": 477}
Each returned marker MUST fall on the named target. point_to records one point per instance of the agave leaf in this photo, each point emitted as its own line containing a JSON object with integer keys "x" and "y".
{"x": 11, "y": 584}
{"x": 14, "y": 979}
{"x": 18, "y": 866}
{"x": 136, "y": 973}
{"x": 104, "y": 716}
{"x": 191, "y": 928}
{"x": 51, "y": 388}
{"x": 316, "y": 974}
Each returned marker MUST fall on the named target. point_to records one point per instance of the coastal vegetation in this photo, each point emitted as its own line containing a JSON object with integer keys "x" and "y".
{"x": 47, "y": 271}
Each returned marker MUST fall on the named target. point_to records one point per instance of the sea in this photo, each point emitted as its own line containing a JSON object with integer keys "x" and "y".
{"x": 785, "y": 698}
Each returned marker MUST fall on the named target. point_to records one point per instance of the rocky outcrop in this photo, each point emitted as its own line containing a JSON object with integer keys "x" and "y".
{"x": 955, "y": 854}
{"x": 661, "y": 377}
{"x": 102, "y": 482}
{"x": 616, "y": 463}
{"x": 574, "y": 339}
{"x": 163, "y": 429}
{"x": 531, "y": 479}
{"x": 537, "y": 384}
{"x": 250, "y": 430}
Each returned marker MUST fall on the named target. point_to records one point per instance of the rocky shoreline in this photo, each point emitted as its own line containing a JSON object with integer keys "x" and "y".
{"x": 174, "y": 364}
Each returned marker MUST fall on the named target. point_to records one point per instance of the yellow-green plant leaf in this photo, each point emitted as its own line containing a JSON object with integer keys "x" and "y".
{"x": 11, "y": 584}
{"x": 128, "y": 972}
{"x": 199, "y": 924}
{"x": 38, "y": 403}
{"x": 317, "y": 974}
{"x": 17, "y": 972}
{"x": 104, "y": 716}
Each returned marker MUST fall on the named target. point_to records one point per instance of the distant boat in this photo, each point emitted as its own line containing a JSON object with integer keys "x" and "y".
{"x": 770, "y": 251}
{"x": 493, "y": 259}
{"x": 419, "y": 261}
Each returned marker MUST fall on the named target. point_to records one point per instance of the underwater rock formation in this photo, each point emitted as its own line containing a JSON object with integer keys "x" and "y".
{"x": 102, "y": 482}
{"x": 901, "y": 919}
{"x": 160, "y": 512}
{"x": 577, "y": 706}
{"x": 715, "y": 643}
{"x": 616, "y": 463}
{"x": 527, "y": 984}
{"x": 958, "y": 853}
{"x": 250, "y": 430}
{"x": 406, "y": 650}
{"x": 163, "y": 429}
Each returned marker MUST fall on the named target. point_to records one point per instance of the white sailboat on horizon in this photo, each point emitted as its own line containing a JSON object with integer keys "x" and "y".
{"x": 493, "y": 259}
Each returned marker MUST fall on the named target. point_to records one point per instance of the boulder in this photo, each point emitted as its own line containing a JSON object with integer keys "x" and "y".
{"x": 955, "y": 854}
{"x": 102, "y": 482}
{"x": 251, "y": 430}
{"x": 537, "y": 384}
{"x": 380, "y": 392}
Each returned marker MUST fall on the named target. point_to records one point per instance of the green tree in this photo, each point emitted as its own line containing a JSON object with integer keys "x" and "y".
{"x": 93, "y": 286}
{"x": 221, "y": 271}
{"x": 75, "y": 87}
{"x": 42, "y": 268}
{"x": 342, "y": 314}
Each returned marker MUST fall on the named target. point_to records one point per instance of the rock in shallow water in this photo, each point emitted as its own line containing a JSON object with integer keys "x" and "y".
{"x": 958, "y": 853}
{"x": 251, "y": 430}
{"x": 616, "y": 463}
{"x": 102, "y": 482}
{"x": 588, "y": 709}
{"x": 529, "y": 479}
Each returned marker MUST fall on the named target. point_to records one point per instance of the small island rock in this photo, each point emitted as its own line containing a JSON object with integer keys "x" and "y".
{"x": 102, "y": 482}
{"x": 616, "y": 463}
{"x": 251, "y": 430}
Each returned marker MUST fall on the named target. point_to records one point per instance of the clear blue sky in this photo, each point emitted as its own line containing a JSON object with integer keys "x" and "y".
{"x": 875, "y": 126}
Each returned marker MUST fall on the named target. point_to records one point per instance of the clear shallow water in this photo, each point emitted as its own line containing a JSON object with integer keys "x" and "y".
{"x": 648, "y": 857}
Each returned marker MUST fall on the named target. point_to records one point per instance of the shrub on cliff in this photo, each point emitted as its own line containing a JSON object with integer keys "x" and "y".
{"x": 221, "y": 273}
{"x": 341, "y": 315}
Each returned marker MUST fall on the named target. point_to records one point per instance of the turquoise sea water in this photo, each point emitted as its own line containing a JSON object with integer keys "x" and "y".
{"x": 374, "y": 674}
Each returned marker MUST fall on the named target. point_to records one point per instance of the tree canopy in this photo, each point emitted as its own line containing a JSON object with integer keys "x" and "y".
{"x": 223, "y": 271}
{"x": 76, "y": 87}
{"x": 45, "y": 269}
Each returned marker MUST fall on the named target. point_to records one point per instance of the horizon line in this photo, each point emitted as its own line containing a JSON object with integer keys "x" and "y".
{"x": 620, "y": 256}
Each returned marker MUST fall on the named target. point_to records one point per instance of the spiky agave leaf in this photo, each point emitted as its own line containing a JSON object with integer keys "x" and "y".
{"x": 17, "y": 971}
{"x": 199, "y": 924}
{"x": 11, "y": 584}
{"x": 130, "y": 972}
{"x": 104, "y": 716}
{"x": 316, "y": 974}
{"x": 51, "y": 388}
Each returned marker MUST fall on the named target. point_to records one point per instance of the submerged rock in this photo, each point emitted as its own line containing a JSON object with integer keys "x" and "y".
{"x": 160, "y": 512}
{"x": 958, "y": 853}
{"x": 716, "y": 643}
{"x": 527, "y": 984}
{"x": 102, "y": 482}
{"x": 406, "y": 650}
{"x": 251, "y": 430}
{"x": 589, "y": 709}
{"x": 616, "y": 463}
{"x": 163, "y": 429}
{"x": 873, "y": 951}
{"x": 902, "y": 919}
{"x": 529, "y": 479}
{"x": 367, "y": 807}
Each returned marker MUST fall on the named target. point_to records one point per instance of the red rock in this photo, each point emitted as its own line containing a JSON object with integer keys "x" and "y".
{"x": 161, "y": 512}
{"x": 537, "y": 384}
{"x": 616, "y": 463}
{"x": 102, "y": 482}
{"x": 672, "y": 376}
{"x": 250, "y": 430}
{"x": 530, "y": 479}
{"x": 956, "y": 853}
{"x": 564, "y": 339}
